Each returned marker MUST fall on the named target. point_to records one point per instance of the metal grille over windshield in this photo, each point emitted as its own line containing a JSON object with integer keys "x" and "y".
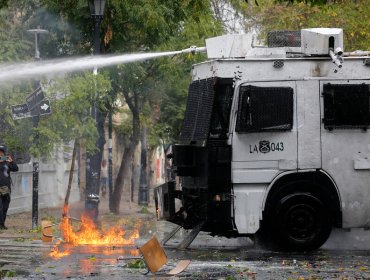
{"x": 198, "y": 110}
{"x": 284, "y": 38}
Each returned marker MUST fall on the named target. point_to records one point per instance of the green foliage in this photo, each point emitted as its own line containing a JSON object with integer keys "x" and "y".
{"x": 127, "y": 26}
{"x": 144, "y": 210}
{"x": 71, "y": 99}
{"x": 70, "y": 26}
{"x": 137, "y": 264}
{"x": 313, "y": 2}
{"x": 7, "y": 273}
{"x": 125, "y": 128}
{"x": 3, "y": 3}
{"x": 352, "y": 16}
{"x": 15, "y": 134}
{"x": 13, "y": 46}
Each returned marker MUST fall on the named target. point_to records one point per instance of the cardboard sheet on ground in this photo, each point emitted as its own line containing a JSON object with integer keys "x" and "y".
{"x": 155, "y": 257}
{"x": 153, "y": 254}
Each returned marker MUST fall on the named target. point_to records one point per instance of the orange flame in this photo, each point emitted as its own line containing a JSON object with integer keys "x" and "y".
{"x": 89, "y": 234}
{"x": 56, "y": 254}
{"x": 65, "y": 210}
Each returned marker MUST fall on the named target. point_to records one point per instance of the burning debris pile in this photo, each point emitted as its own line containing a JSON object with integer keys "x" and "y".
{"x": 89, "y": 234}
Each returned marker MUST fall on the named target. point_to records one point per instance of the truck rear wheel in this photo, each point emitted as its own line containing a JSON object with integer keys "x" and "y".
{"x": 300, "y": 222}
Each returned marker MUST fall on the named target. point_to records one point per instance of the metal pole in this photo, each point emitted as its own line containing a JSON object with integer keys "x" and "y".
{"x": 93, "y": 160}
{"x": 35, "y": 181}
{"x": 37, "y": 52}
{"x": 143, "y": 187}
{"x": 35, "y": 171}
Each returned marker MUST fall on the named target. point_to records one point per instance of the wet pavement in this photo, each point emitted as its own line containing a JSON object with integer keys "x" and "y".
{"x": 345, "y": 256}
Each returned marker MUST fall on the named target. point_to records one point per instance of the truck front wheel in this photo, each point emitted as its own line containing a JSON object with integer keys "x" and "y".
{"x": 300, "y": 222}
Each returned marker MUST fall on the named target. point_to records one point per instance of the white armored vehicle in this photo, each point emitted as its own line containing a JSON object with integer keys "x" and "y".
{"x": 275, "y": 141}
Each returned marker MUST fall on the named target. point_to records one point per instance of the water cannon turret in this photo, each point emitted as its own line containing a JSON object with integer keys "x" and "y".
{"x": 323, "y": 41}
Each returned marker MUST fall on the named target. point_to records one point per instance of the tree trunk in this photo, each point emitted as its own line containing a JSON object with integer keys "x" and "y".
{"x": 120, "y": 180}
{"x": 133, "y": 103}
{"x": 135, "y": 140}
{"x": 135, "y": 172}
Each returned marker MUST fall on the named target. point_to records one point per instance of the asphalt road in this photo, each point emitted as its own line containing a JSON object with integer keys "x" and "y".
{"x": 345, "y": 256}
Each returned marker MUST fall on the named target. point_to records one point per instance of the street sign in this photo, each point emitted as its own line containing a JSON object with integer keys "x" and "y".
{"x": 35, "y": 105}
{"x": 20, "y": 111}
{"x": 43, "y": 108}
{"x": 34, "y": 98}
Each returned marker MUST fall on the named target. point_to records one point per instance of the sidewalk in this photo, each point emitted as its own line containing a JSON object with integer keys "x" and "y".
{"x": 20, "y": 224}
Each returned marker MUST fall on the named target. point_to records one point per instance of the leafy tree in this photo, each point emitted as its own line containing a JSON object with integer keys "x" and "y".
{"x": 64, "y": 124}
{"x": 313, "y": 2}
{"x": 14, "y": 46}
{"x": 183, "y": 21}
{"x": 128, "y": 26}
{"x": 71, "y": 119}
{"x": 352, "y": 16}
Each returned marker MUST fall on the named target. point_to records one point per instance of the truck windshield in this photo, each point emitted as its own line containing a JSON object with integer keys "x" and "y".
{"x": 221, "y": 109}
{"x": 207, "y": 110}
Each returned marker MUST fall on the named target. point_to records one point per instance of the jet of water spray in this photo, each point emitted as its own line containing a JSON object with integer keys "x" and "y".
{"x": 20, "y": 71}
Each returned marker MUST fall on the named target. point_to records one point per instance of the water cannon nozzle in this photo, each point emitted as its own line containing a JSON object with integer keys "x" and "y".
{"x": 338, "y": 51}
{"x": 336, "y": 57}
{"x": 194, "y": 49}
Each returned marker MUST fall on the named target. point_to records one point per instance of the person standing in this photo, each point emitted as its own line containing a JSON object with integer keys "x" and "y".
{"x": 6, "y": 166}
{"x": 104, "y": 177}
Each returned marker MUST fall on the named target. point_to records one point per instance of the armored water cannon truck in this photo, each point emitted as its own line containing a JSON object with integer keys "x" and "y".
{"x": 275, "y": 141}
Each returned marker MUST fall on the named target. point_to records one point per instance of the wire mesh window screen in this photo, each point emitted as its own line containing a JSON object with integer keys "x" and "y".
{"x": 265, "y": 109}
{"x": 284, "y": 38}
{"x": 224, "y": 91}
{"x": 346, "y": 106}
{"x": 198, "y": 112}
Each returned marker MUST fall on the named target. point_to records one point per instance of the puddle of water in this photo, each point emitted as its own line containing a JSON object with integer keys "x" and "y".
{"x": 90, "y": 260}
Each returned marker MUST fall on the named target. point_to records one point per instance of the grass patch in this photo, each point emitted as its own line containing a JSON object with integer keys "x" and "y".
{"x": 144, "y": 210}
{"x": 7, "y": 273}
{"x": 138, "y": 264}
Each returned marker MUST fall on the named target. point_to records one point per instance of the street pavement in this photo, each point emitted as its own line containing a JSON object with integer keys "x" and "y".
{"x": 23, "y": 255}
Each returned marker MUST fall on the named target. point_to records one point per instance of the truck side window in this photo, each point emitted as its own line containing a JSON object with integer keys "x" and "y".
{"x": 265, "y": 109}
{"x": 346, "y": 106}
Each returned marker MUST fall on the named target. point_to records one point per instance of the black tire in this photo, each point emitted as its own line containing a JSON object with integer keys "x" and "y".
{"x": 299, "y": 222}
